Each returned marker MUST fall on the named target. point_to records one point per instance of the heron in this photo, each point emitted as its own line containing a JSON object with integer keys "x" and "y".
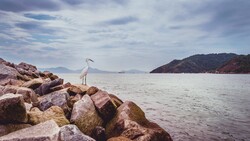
{"x": 84, "y": 72}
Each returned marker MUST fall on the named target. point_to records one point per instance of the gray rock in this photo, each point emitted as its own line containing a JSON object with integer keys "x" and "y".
{"x": 7, "y": 73}
{"x": 12, "y": 108}
{"x": 84, "y": 115}
{"x": 45, "y": 88}
{"x": 57, "y": 98}
{"x": 72, "y": 133}
{"x": 46, "y": 131}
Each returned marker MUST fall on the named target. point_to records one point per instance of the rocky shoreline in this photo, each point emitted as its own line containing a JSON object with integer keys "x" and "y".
{"x": 38, "y": 106}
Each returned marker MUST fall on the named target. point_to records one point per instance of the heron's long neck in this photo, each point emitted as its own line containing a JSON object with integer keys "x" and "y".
{"x": 87, "y": 63}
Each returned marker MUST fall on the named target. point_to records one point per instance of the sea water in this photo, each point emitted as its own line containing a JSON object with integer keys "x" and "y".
{"x": 190, "y": 107}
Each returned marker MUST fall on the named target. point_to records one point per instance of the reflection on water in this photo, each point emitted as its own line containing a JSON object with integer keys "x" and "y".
{"x": 188, "y": 106}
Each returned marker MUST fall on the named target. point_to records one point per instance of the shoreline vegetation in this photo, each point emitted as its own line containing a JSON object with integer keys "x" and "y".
{"x": 38, "y": 105}
{"x": 222, "y": 63}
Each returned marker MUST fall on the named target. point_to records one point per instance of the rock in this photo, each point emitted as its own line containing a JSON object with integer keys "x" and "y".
{"x": 33, "y": 84}
{"x": 46, "y": 131}
{"x": 14, "y": 82}
{"x": 45, "y": 88}
{"x": 73, "y": 99}
{"x": 47, "y": 74}
{"x": 120, "y": 138}
{"x": 92, "y": 90}
{"x": 57, "y": 88}
{"x": 56, "y": 113}
{"x": 83, "y": 88}
{"x": 28, "y": 94}
{"x": 28, "y": 106}
{"x": 1, "y": 90}
{"x": 12, "y": 108}
{"x": 7, "y": 73}
{"x": 84, "y": 115}
{"x": 130, "y": 122}
{"x": 10, "y": 89}
{"x": 66, "y": 85}
{"x": 57, "y": 98}
{"x": 73, "y": 90}
{"x": 8, "y": 128}
{"x": 99, "y": 134}
{"x": 27, "y": 67}
{"x": 53, "y": 77}
{"x": 72, "y": 133}
{"x": 118, "y": 102}
{"x": 104, "y": 105}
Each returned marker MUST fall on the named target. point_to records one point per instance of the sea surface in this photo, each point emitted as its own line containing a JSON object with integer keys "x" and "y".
{"x": 191, "y": 107}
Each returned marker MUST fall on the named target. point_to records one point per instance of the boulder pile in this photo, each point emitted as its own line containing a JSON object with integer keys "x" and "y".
{"x": 38, "y": 106}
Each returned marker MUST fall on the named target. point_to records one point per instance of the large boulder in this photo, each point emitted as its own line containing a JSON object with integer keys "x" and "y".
{"x": 8, "y": 128}
{"x": 92, "y": 90}
{"x": 27, "y": 67}
{"x": 7, "y": 73}
{"x": 83, "y": 88}
{"x": 84, "y": 115}
{"x": 104, "y": 105}
{"x": 10, "y": 89}
{"x": 12, "y": 108}
{"x": 33, "y": 84}
{"x": 72, "y": 133}
{"x": 118, "y": 102}
{"x": 57, "y": 98}
{"x": 73, "y": 90}
{"x": 46, "y": 131}
{"x": 130, "y": 122}
{"x": 45, "y": 88}
{"x": 56, "y": 113}
{"x": 28, "y": 94}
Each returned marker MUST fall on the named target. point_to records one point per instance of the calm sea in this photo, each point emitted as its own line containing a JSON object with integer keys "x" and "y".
{"x": 202, "y": 107}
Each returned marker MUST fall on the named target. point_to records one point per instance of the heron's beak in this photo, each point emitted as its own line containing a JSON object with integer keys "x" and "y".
{"x": 91, "y": 60}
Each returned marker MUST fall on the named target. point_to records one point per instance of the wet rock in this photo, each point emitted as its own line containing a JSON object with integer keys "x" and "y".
{"x": 104, "y": 105}
{"x": 33, "y": 84}
{"x": 7, "y": 73}
{"x": 8, "y": 128}
{"x": 118, "y": 102}
{"x": 57, "y": 98}
{"x": 12, "y": 108}
{"x": 84, "y": 115}
{"x": 99, "y": 134}
{"x": 46, "y": 131}
{"x": 45, "y": 88}
{"x": 56, "y": 113}
{"x": 92, "y": 90}
{"x": 130, "y": 122}
{"x": 72, "y": 133}
{"x": 120, "y": 138}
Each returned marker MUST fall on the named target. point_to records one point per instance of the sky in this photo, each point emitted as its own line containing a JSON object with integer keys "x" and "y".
{"x": 120, "y": 34}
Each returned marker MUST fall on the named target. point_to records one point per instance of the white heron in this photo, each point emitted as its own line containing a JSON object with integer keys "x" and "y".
{"x": 84, "y": 72}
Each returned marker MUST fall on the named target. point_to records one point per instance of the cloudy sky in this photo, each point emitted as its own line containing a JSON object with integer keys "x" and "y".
{"x": 120, "y": 34}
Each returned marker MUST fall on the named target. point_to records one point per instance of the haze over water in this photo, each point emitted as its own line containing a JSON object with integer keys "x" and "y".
{"x": 211, "y": 107}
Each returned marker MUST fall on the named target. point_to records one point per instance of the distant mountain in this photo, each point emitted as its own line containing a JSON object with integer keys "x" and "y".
{"x": 133, "y": 71}
{"x": 199, "y": 63}
{"x": 66, "y": 70}
{"x": 238, "y": 64}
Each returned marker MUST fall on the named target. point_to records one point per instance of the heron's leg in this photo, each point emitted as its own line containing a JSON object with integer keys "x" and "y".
{"x": 86, "y": 80}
